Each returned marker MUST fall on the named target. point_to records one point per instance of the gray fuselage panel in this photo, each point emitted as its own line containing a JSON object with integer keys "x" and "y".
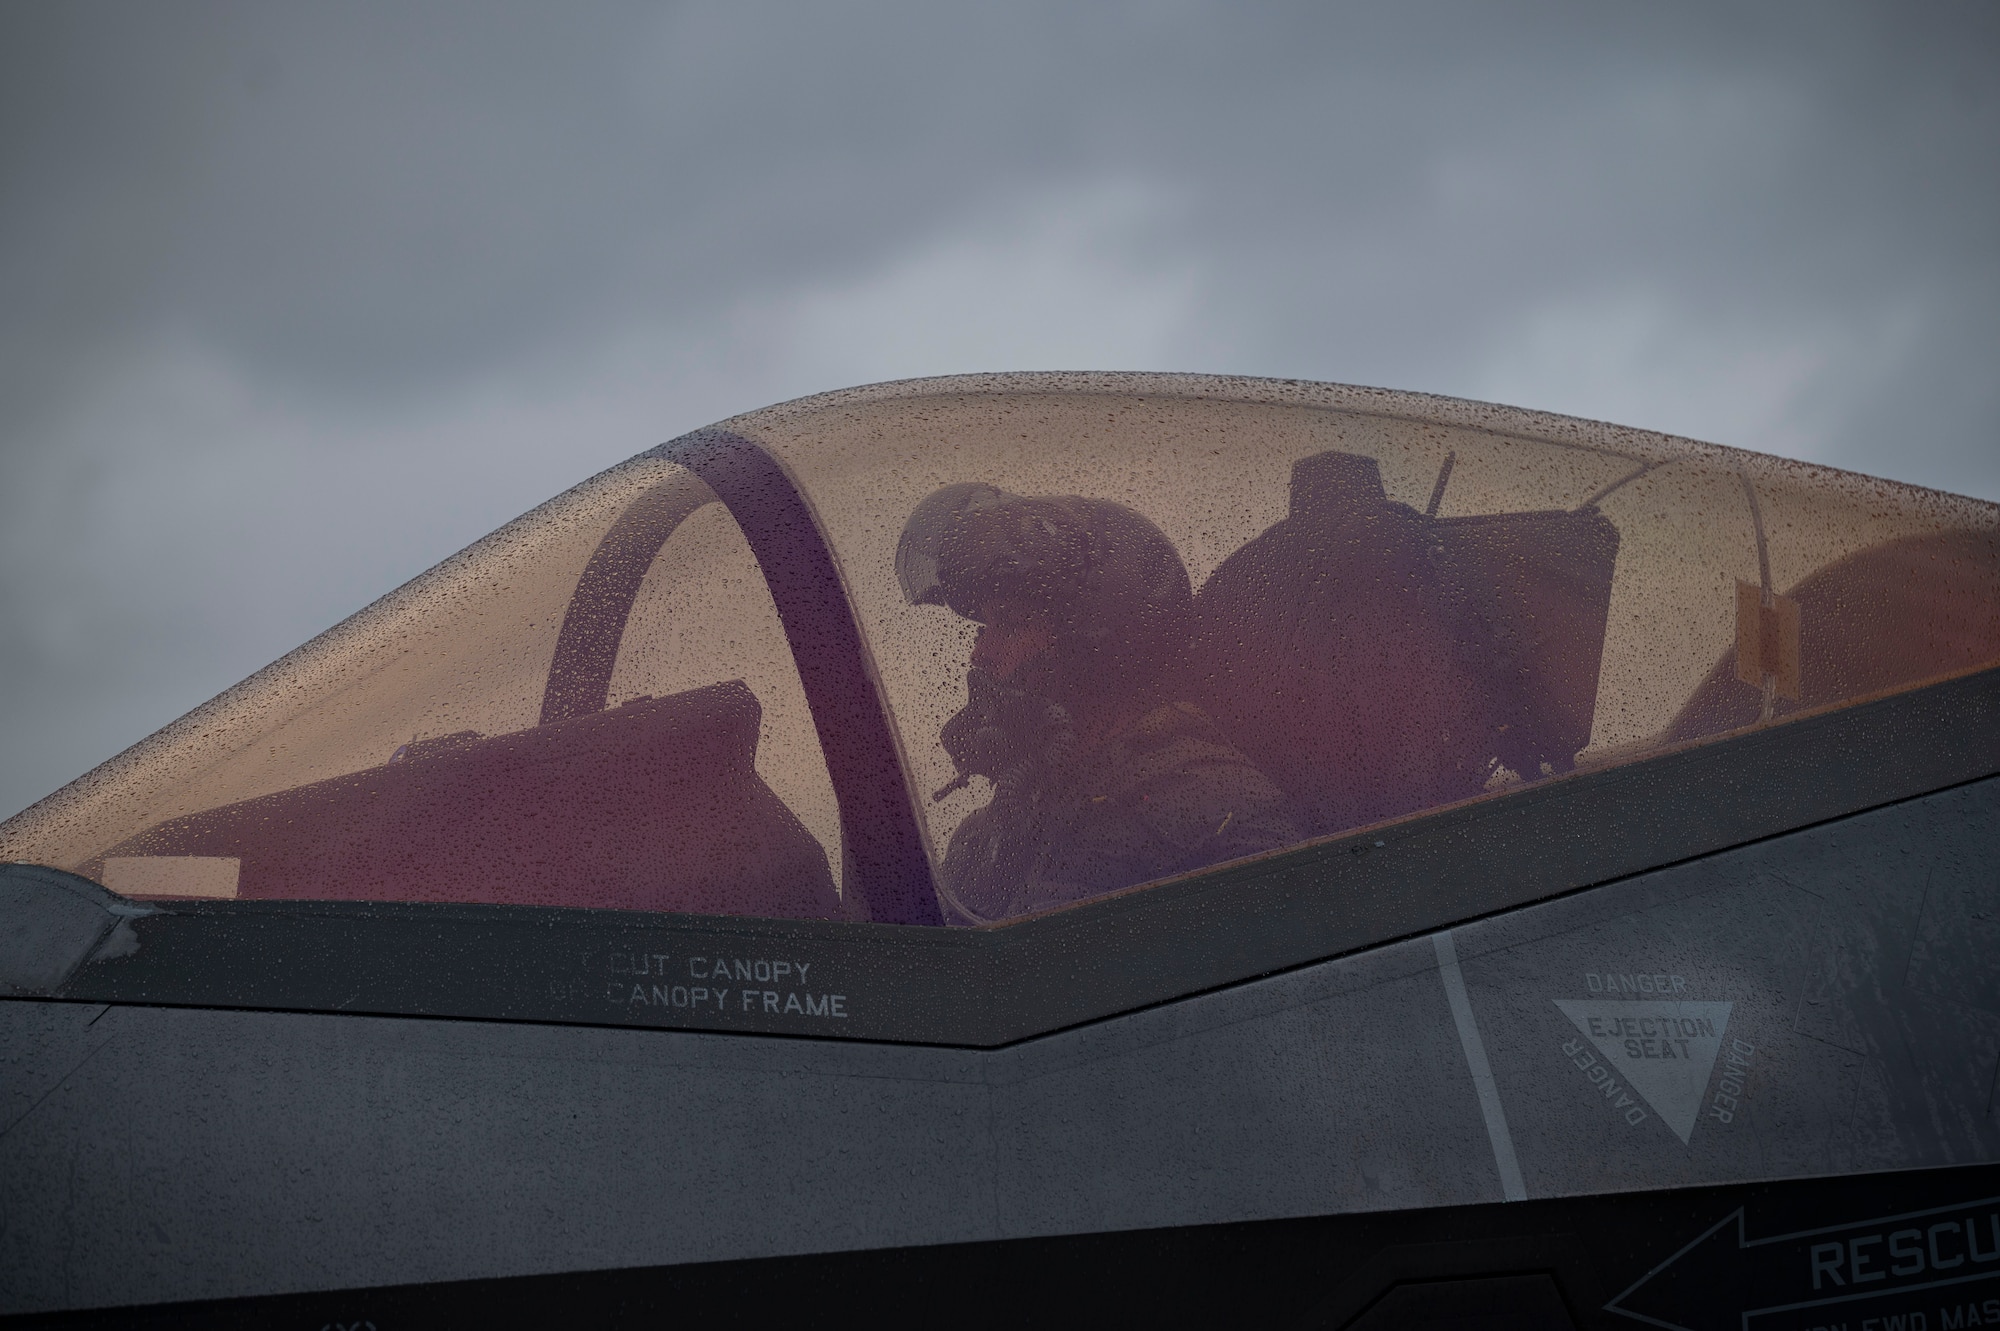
{"x": 1820, "y": 1003}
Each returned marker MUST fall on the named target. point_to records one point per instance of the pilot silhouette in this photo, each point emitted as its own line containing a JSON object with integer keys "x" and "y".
{"x": 1103, "y": 776}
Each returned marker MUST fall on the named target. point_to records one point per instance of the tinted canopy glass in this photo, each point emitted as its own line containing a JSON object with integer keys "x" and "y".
{"x": 964, "y": 650}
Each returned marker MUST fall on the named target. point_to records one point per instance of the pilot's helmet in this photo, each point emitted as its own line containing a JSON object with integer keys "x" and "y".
{"x": 1108, "y": 581}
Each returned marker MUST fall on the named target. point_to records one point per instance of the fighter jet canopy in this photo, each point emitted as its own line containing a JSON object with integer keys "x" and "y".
{"x": 964, "y": 650}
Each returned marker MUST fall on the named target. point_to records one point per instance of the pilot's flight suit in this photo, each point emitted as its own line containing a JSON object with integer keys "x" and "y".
{"x": 1164, "y": 795}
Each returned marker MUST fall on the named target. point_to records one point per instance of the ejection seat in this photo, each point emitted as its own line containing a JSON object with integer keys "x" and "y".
{"x": 654, "y": 805}
{"x": 1374, "y": 660}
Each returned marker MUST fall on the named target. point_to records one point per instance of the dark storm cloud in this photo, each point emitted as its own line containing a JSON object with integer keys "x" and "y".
{"x": 296, "y": 299}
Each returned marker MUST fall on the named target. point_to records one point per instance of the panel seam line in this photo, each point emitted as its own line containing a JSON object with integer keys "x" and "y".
{"x": 1504, "y": 1158}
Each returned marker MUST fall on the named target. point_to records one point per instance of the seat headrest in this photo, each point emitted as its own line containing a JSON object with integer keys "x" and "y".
{"x": 1330, "y": 484}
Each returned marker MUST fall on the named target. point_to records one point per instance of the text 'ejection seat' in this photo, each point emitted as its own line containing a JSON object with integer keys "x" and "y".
{"x": 1374, "y": 660}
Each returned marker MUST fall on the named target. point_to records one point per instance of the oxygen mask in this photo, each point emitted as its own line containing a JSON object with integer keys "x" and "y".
{"x": 1004, "y": 730}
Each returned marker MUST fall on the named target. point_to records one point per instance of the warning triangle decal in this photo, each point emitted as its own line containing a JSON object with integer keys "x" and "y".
{"x": 1664, "y": 1049}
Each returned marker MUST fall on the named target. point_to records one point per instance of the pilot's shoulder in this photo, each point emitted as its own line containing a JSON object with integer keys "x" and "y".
{"x": 1170, "y": 722}
{"x": 1172, "y": 742}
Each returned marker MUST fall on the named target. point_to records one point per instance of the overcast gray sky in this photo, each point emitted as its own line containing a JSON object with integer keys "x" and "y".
{"x": 295, "y": 300}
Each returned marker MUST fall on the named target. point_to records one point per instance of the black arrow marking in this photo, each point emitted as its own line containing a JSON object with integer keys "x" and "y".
{"x": 1722, "y": 1279}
